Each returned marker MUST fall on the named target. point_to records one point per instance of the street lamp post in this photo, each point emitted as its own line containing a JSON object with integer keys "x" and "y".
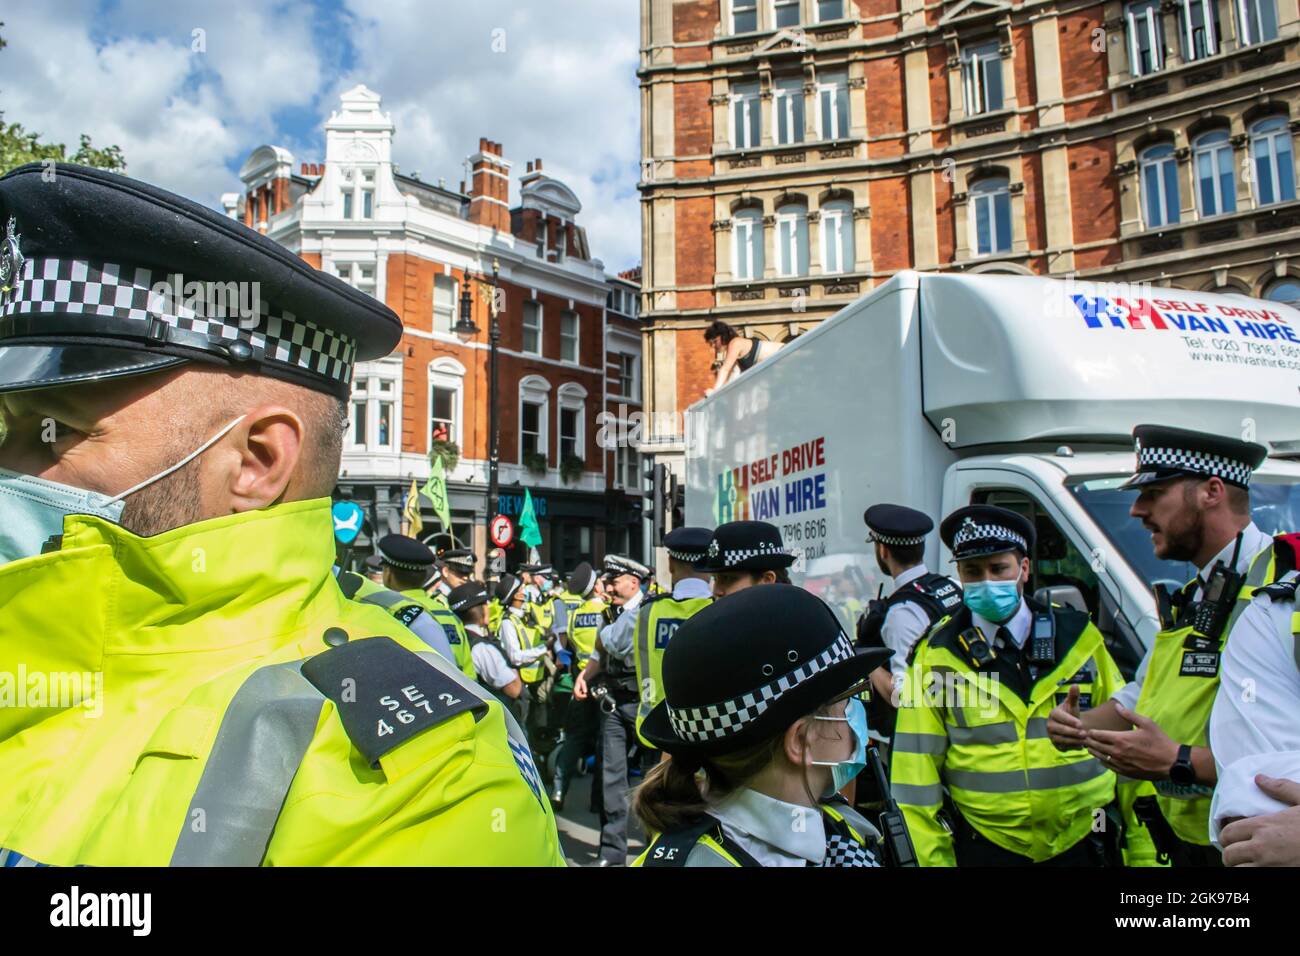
{"x": 466, "y": 330}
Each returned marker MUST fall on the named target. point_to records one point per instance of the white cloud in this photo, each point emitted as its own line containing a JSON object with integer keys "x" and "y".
{"x": 564, "y": 88}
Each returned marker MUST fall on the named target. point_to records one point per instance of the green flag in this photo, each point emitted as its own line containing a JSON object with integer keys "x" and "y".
{"x": 435, "y": 489}
{"x": 529, "y": 533}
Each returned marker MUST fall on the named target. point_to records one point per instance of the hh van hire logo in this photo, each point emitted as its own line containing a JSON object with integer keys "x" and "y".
{"x": 733, "y": 495}
{"x": 1160, "y": 314}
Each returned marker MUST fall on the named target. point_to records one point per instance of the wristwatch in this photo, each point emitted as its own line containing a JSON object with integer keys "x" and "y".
{"x": 1182, "y": 772}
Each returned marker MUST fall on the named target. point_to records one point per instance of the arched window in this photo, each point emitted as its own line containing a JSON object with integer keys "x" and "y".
{"x": 990, "y": 220}
{"x": 1159, "y": 174}
{"x": 1270, "y": 154}
{"x": 446, "y": 400}
{"x": 534, "y": 415}
{"x": 792, "y": 239}
{"x": 573, "y": 401}
{"x": 837, "y": 237}
{"x": 747, "y": 243}
{"x": 1216, "y": 189}
{"x": 1286, "y": 291}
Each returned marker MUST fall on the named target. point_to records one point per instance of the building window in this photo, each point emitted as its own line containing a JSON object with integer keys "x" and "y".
{"x": 1216, "y": 189}
{"x": 981, "y": 76}
{"x": 358, "y": 192}
{"x": 359, "y": 275}
{"x": 446, "y": 397}
{"x": 374, "y": 419}
{"x": 833, "y": 106}
{"x": 785, "y": 13}
{"x": 368, "y": 194}
{"x": 534, "y": 410}
{"x": 347, "y": 204}
{"x": 626, "y": 467}
{"x": 626, "y": 381}
{"x": 444, "y": 303}
{"x": 1286, "y": 291}
{"x": 1258, "y": 19}
{"x": 746, "y": 116}
{"x": 572, "y": 400}
{"x": 830, "y": 10}
{"x": 1198, "y": 22}
{"x": 532, "y": 326}
{"x": 744, "y": 16}
{"x": 747, "y": 244}
{"x": 991, "y": 221}
{"x": 569, "y": 337}
{"x": 1270, "y": 152}
{"x": 792, "y": 240}
{"x": 1159, "y": 175}
{"x": 837, "y": 237}
{"x": 1146, "y": 37}
{"x": 788, "y": 103}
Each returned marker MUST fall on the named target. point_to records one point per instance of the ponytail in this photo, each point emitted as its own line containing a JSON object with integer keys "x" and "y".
{"x": 673, "y": 793}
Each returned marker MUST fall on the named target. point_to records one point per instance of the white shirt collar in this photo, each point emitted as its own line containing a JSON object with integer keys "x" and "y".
{"x": 1018, "y": 625}
{"x": 634, "y": 601}
{"x": 1253, "y": 541}
{"x": 688, "y": 588}
{"x": 910, "y": 575}
{"x": 748, "y": 813}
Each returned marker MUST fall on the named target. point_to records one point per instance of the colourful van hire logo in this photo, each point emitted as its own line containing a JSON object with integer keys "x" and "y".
{"x": 733, "y": 495}
{"x": 1136, "y": 313}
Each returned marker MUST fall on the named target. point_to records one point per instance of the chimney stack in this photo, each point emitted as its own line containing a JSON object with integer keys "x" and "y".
{"x": 489, "y": 186}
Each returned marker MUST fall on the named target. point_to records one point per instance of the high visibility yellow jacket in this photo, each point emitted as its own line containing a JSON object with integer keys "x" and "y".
{"x": 216, "y": 730}
{"x": 656, "y": 621}
{"x": 585, "y": 623}
{"x": 452, "y": 626}
{"x": 962, "y": 727}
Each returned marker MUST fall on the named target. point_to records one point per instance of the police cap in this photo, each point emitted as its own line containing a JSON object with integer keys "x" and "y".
{"x": 459, "y": 559}
{"x": 688, "y": 544}
{"x": 897, "y": 525}
{"x": 1164, "y": 453}
{"x": 103, "y": 277}
{"x": 582, "y": 580}
{"x": 746, "y": 546}
{"x": 406, "y": 554}
{"x": 977, "y": 531}
{"x": 466, "y": 596}
{"x": 616, "y": 564}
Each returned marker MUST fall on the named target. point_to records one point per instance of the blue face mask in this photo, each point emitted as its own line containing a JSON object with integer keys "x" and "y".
{"x": 842, "y": 771}
{"x": 994, "y": 601}
{"x": 32, "y": 509}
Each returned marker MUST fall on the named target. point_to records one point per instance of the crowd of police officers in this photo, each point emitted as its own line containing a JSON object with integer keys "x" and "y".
{"x": 165, "y": 530}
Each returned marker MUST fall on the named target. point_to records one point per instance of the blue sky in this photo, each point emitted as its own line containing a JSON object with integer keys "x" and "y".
{"x": 548, "y": 78}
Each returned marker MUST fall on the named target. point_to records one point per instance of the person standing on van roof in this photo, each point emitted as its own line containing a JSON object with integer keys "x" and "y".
{"x": 1193, "y": 496}
{"x": 745, "y": 553}
{"x": 971, "y": 718}
{"x": 735, "y": 353}
{"x": 920, "y": 599}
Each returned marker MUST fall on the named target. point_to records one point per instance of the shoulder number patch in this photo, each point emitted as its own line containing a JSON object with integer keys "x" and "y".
{"x": 386, "y": 694}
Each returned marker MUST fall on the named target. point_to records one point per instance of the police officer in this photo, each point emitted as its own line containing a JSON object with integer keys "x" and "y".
{"x": 742, "y": 554}
{"x": 977, "y": 694}
{"x": 919, "y": 600}
{"x": 407, "y": 564}
{"x": 374, "y": 569}
{"x": 615, "y": 664}
{"x": 524, "y": 643}
{"x": 1194, "y": 498}
{"x": 771, "y": 771}
{"x": 455, "y": 567}
{"x": 469, "y": 602}
{"x": 583, "y": 618}
{"x": 660, "y": 615}
{"x": 190, "y": 565}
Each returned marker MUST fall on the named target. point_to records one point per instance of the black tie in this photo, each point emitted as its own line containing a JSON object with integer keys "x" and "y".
{"x": 1013, "y": 655}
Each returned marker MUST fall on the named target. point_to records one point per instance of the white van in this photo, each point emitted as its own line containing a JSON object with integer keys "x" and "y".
{"x": 936, "y": 391}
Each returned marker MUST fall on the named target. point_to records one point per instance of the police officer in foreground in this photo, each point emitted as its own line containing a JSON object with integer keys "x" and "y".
{"x": 742, "y": 554}
{"x": 760, "y": 696}
{"x": 920, "y": 599}
{"x": 615, "y": 664}
{"x": 977, "y": 695}
{"x": 1194, "y": 498}
{"x": 190, "y": 565}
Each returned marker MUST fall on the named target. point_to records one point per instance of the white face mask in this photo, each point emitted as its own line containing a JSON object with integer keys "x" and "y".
{"x": 32, "y": 509}
{"x": 516, "y": 612}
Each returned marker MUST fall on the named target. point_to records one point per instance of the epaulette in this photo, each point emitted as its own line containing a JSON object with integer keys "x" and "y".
{"x": 385, "y": 694}
{"x": 1281, "y": 591}
{"x": 349, "y": 583}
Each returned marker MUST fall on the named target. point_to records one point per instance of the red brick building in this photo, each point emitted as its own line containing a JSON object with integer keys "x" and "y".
{"x": 798, "y": 152}
{"x": 418, "y": 246}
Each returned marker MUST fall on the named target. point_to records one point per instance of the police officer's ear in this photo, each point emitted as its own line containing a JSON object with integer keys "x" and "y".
{"x": 259, "y": 461}
{"x": 1024, "y": 569}
{"x": 767, "y": 577}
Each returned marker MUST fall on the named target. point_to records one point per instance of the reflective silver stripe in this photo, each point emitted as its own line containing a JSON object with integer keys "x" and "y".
{"x": 264, "y": 734}
{"x": 985, "y": 735}
{"x": 932, "y": 744}
{"x": 1036, "y": 729}
{"x": 917, "y": 795}
{"x": 1017, "y": 781}
{"x": 384, "y": 599}
{"x": 642, "y": 660}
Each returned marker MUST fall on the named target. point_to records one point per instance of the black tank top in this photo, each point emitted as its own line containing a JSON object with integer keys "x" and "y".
{"x": 746, "y": 363}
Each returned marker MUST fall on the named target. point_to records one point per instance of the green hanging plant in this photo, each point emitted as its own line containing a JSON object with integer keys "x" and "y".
{"x": 535, "y": 462}
{"x": 571, "y": 467}
{"x": 448, "y": 451}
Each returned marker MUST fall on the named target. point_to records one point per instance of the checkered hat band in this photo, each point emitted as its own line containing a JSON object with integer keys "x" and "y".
{"x": 1203, "y": 463}
{"x": 125, "y": 294}
{"x": 685, "y": 555}
{"x": 891, "y": 539}
{"x": 979, "y": 532}
{"x": 730, "y": 557}
{"x": 403, "y": 565}
{"x": 716, "y": 721}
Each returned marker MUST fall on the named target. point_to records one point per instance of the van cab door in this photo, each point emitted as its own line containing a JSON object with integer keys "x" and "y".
{"x": 1062, "y": 555}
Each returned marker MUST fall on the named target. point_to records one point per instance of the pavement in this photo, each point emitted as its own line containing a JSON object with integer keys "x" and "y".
{"x": 580, "y": 828}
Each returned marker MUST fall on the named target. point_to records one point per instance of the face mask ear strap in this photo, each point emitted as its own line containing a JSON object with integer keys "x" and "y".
{"x": 179, "y": 465}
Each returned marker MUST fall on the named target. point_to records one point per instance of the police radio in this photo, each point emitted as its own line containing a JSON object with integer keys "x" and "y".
{"x": 1218, "y": 596}
{"x": 1042, "y": 642}
{"x": 898, "y": 847}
